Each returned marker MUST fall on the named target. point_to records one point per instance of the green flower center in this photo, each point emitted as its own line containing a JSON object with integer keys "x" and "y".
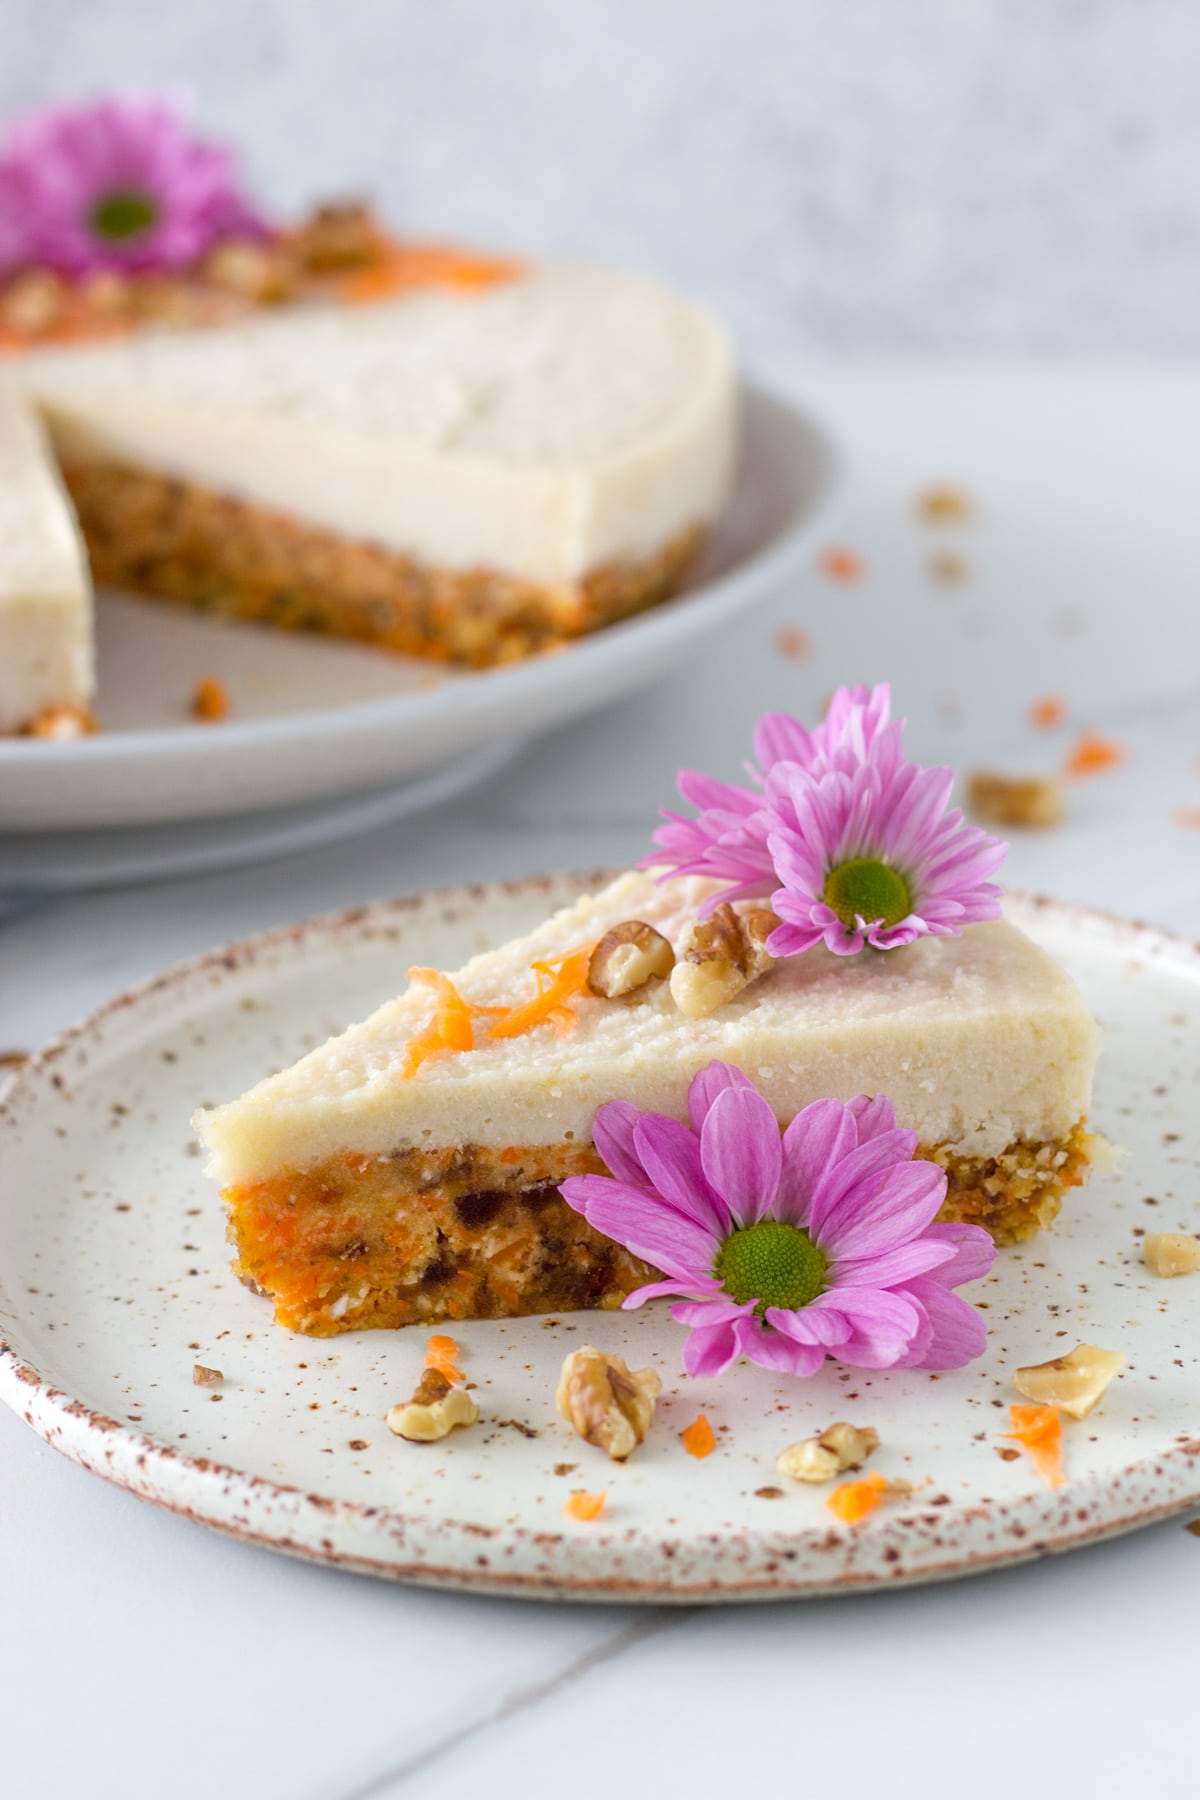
{"x": 772, "y": 1262}
{"x": 125, "y": 213}
{"x": 866, "y": 889}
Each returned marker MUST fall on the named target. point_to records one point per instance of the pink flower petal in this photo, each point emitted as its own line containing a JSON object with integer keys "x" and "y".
{"x": 671, "y": 1157}
{"x": 975, "y": 1252}
{"x": 821, "y": 1134}
{"x": 741, "y": 1152}
{"x": 884, "y": 1213}
{"x": 711, "y": 1081}
{"x": 715, "y": 1311}
{"x": 612, "y": 1134}
{"x": 658, "y": 1290}
{"x": 884, "y": 1324}
{"x": 657, "y": 1233}
{"x": 811, "y": 1325}
{"x": 772, "y": 1350}
{"x": 709, "y": 1350}
{"x": 847, "y": 1183}
{"x": 895, "y": 1267}
{"x": 875, "y": 1117}
{"x": 959, "y": 1332}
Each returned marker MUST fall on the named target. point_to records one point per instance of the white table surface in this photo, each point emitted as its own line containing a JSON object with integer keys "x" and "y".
{"x": 142, "y": 1656}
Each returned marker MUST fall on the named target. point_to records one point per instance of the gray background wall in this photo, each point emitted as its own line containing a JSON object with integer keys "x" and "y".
{"x": 856, "y": 176}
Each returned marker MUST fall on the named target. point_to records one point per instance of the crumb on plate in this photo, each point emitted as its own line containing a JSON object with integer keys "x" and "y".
{"x": 210, "y": 700}
{"x": 698, "y": 1438}
{"x": 584, "y": 1506}
{"x": 1023, "y": 800}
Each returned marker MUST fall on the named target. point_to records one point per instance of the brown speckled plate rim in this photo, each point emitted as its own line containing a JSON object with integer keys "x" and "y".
{"x": 151, "y": 1469}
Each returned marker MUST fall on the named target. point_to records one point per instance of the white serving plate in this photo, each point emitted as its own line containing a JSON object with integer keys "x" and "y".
{"x": 115, "y": 1280}
{"x": 313, "y": 719}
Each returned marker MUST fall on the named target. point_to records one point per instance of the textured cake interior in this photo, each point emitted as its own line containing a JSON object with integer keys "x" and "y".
{"x": 475, "y": 1233}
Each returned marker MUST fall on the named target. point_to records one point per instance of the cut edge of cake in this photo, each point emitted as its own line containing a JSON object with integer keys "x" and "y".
{"x": 46, "y": 651}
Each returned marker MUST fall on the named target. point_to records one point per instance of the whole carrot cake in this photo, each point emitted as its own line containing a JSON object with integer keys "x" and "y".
{"x": 324, "y": 428}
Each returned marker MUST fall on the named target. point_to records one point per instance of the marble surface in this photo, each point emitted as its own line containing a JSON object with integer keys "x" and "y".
{"x": 143, "y": 1656}
{"x": 1013, "y": 174}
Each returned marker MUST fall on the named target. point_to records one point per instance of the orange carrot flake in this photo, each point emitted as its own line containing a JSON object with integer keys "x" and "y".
{"x": 440, "y": 1354}
{"x": 698, "y": 1439}
{"x": 400, "y": 268}
{"x": 796, "y": 645}
{"x": 210, "y": 700}
{"x": 842, "y": 565}
{"x": 1047, "y": 712}
{"x": 560, "y": 980}
{"x": 452, "y": 1026}
{"x": 1187, "y": 815}
{"x": 853, "y": 1500}
{"x": 583, "y": 1506}
{"x": 1091, "y": 754}
{"x": 1038, "y": 1430}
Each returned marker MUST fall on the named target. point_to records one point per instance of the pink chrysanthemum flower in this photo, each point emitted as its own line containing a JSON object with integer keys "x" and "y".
{"x": 726, "y": 841}
{"x": 119, "y": 184}
{"x": 788, "y": 1248}
{"x": 868, "y": 854}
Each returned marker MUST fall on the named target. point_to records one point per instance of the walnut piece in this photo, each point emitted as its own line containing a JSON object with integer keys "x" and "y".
{"x": 260, "y": 273}
{"x": 60, "y": 723}
{"x": 840, "y": 1446}
{"x": 434, "y": 1410}
{"x": 1075, "y": 1383}
{"x": 609, "y": 1404}
{"x": 720, "y": 956}
{"x": 1015, "y": 799}
{"x": 627, "y": 959}
{"x": 340, "y": 234}
{"x": 1171, "y": 1252}
{"x": 32, "y": 302}
{"x": 202, "y": 1376}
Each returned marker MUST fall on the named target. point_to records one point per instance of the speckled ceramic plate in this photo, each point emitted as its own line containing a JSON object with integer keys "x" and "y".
{"x": 114, "y": 1282}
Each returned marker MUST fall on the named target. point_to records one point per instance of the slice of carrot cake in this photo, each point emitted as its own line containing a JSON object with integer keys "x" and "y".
{"x": 409, "y": 1169}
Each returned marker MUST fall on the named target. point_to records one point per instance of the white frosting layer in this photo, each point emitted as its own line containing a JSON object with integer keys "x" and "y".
{"x": 978, "y": 1041}
{"x": 45, "y": 592}
{"x": 544, "y": 427}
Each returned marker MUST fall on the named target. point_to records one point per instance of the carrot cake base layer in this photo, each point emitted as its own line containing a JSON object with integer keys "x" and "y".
{"x": 176, "y": 540}
{"x": 479, "y": 1233}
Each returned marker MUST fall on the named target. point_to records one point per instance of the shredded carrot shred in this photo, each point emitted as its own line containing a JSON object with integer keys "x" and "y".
{"x": 440, "y": 1354}
{"x": 842, "y": 565}
{"x": 1187, "y": 815}
{"x": 699, "y": 1439}
{"x": 1050, "y": 710}
{"x": 560, "y": 980}
{"x": 452, "y": 1026}
{"x": 583, "y": 1506}
{"x": 1092, "y": 753}
{"x": 210, "y": 699}
{"x": 404, "y": 266}
{"x": 853, "y": 1500}
{"x": 1038, "y": 1430}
